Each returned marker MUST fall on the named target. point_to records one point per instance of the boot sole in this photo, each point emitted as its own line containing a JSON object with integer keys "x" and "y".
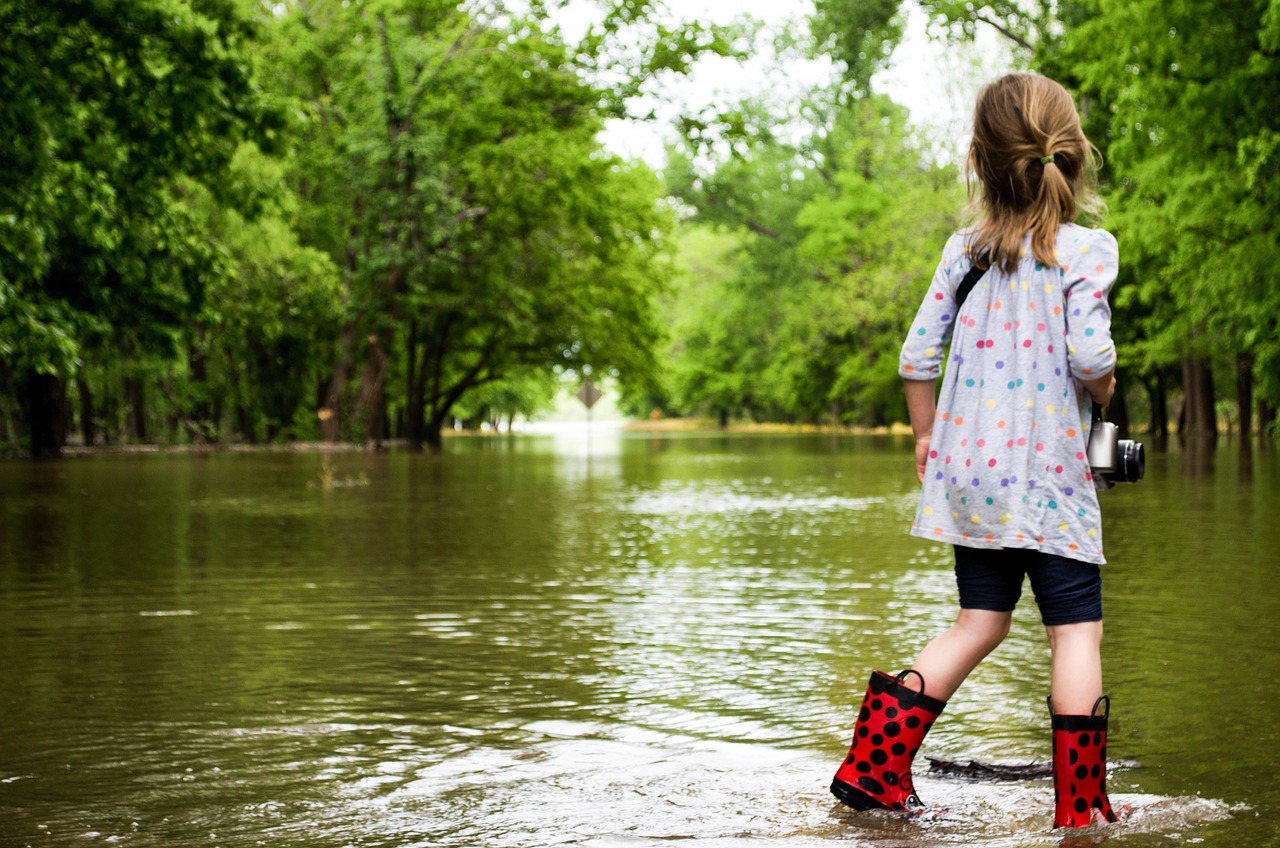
{"x": 852, "y": 796}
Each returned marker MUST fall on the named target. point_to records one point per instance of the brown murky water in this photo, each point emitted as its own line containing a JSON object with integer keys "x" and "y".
{"x": 541, "y": 641}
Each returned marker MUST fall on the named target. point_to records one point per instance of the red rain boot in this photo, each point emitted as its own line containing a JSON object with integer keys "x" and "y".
{"x": 1080, "y": 767}
{"x": 893, "y": 722}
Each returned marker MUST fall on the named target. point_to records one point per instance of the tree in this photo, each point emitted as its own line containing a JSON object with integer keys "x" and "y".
{"x": 452, "y": 169}
{"x": 1193, "y": 141}
{"x": 832, "y": 239}
{"x": 104, "y": 109}
{"x": 875, "y": 234}
{"x": 262, "y": 338}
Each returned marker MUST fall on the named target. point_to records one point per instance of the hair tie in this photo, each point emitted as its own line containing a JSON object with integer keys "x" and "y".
{"x": 1046, "y": 160}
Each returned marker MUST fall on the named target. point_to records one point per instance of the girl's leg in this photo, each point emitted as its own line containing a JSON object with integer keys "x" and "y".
{"x": 1079, "y": 732}
{"x": 947, "y": 660}
{"x": 1076, "y": 680}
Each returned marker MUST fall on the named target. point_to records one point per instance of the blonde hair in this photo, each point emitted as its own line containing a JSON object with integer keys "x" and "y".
{"x": 1036, "y": 168}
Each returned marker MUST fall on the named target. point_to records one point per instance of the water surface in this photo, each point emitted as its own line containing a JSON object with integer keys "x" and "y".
{"x": 630, "y": 640}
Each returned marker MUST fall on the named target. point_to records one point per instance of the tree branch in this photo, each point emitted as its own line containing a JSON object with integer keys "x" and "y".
{"x": 761, "y": 230}
{"x": 1007, "y": 33}
{"x": 442, "y": 401}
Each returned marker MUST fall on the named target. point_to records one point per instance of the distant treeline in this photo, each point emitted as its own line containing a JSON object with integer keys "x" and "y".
{"x": 222, "y": 221}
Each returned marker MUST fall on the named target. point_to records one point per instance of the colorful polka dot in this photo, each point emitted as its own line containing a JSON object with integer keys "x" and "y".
{"x": 1031, "y": 386}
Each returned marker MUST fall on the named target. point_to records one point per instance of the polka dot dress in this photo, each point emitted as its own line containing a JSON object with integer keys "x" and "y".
{"x": 1007, "y": 465}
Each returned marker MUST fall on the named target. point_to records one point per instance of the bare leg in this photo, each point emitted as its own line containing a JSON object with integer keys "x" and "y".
{"x": 1077, "y": 666}
{"x": 947, "y": 660}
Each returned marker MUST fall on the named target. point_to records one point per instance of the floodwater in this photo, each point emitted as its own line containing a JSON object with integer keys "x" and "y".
{"x": 626, "y": 640}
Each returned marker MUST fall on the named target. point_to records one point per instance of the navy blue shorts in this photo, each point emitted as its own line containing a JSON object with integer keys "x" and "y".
{"x": 1067, "y": 591}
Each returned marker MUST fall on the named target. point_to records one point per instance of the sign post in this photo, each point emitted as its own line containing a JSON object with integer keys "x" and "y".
{"x": 589, "y": 394}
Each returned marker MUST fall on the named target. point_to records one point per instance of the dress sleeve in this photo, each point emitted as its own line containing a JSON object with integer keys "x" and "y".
{"x": 1089, "y": 274}
{"x": 922, "y": 352}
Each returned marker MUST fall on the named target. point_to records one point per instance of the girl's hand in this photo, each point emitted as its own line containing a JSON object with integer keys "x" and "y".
{"x": 1101, "y": 388}
{"x": 922, "y": 456}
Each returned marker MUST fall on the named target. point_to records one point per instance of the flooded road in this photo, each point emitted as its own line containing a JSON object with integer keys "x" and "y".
{"x": 629, "y": 641}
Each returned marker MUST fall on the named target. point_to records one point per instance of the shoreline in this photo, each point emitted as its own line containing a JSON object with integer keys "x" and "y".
{"x": 666, "y": 426}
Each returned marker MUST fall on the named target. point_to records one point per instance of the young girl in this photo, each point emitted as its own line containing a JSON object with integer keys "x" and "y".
{"x": 1001, "y": 455}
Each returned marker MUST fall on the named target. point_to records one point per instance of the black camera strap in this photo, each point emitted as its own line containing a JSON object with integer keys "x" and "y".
{"x": 970, "y": 280}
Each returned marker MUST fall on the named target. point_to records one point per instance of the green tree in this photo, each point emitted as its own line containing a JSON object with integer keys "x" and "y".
{"x": 705, "y": 317}
{"x": 453, "y": 171}
{"x": 260, "y": 344}
{"x": 104, "y": 109}
{"x": 1192, "y": 141}
{"x": 726, "y": 334}
{"x": 859, "y": 34}
{"x": 829, "y": 243}
{"x": 874, "y": 234}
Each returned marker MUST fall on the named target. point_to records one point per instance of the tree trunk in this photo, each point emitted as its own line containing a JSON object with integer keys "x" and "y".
{"x": 10, "y": 429}
{"x": 416, "y": 428}
{"x": 46, "y": 407}
{"x": 1198, "y": 417}
{"x": 1159, "y": 401}
{"x": 416, "y": 424}
{"x": 1118, "y": 413}
{"x": 414, "y": 389}
{"x": 244, "y": 423}
{"x": 87, "y": 429}
{"x": 433, "y": 434}
{"x": 382, "y": 415}
{"x": 136, "y": 398}
{"x": 368, "y": 410}
{"x": 193, "y": 428}
{"x": 199, "y": 367}
{"x": 877, "y": 414}
{"x": 1160, "y": 409}
{"x": 330, "y": 411}
{"x": 1244, "y": 394}
{"x": 1266, "y": 417}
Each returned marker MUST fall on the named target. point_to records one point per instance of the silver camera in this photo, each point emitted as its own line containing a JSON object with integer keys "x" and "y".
{"x": 1113, "y": 459}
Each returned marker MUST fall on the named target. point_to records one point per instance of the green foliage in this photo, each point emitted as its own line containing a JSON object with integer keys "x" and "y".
{"x": 365, "y": 219}
{"x": 521, "y": 394}
{"x": 264, "y": 328}
{"x": 831, "y": 241}
{"x": 426, "y": 213}
{"x": 103, "y": 106}
{"x": 111, "y": 113}
{"x": 1192, "y": 141}
{"x": 451, "y": 165}
{"x": 803, "y": 317}
{"x": 859, "y": 34}
{"x": 1035, "y": 26}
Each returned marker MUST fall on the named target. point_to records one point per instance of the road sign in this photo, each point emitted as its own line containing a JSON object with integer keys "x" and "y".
{"x": 589, "y": 394}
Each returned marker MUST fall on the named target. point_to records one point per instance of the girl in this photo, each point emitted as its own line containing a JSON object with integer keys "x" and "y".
{"x": 1001, "y": 455}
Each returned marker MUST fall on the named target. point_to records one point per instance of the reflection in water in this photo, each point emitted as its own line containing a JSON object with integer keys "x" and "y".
{"x": 537, "y": 642}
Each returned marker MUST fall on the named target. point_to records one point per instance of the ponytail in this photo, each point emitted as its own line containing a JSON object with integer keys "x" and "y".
{"x": 1034, "y": 164}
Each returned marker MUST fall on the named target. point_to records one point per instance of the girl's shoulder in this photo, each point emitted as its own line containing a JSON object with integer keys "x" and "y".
{"x": 1073, "y": 238}
{"x": 957, "y": 246}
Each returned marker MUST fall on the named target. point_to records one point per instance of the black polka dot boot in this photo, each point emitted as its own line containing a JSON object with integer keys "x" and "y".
{"x": 876, "y": 775}
{"x": 1080, "y": 767}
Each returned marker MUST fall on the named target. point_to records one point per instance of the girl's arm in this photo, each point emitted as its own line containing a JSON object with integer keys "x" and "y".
{"x": 921, "y": 408}
{"x": 1090, "y": 271}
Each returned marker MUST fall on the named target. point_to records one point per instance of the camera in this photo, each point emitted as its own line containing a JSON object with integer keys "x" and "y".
{"x": 1113, "y": 459}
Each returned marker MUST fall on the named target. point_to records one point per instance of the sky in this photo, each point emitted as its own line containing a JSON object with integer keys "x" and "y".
{"x": 937, "y": 83}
